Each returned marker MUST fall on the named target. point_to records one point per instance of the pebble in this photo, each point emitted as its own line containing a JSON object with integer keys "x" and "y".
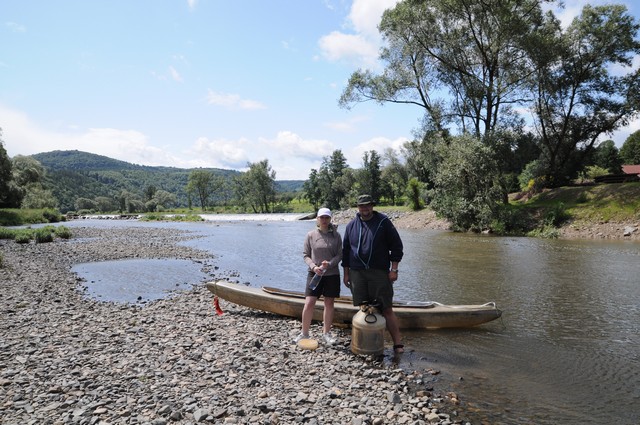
{"x": 69, "y": 359}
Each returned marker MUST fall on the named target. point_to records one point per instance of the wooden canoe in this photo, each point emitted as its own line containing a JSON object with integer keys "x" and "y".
{"x": 411, "y": 315}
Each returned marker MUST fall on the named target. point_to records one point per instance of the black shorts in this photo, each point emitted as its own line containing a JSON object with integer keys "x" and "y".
{"x": 371, "y": 285}
{"x": 329, "y": 286}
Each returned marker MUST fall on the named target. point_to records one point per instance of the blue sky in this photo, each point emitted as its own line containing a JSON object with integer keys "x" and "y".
{"x": 198, "y": 83}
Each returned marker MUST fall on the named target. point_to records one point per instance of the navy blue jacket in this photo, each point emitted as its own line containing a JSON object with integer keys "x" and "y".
{"x": 371, "y": 244}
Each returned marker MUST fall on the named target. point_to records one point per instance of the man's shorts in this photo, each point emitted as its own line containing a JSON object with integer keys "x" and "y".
{"x": 329, "y": 286}
{"x": 371, "y": 285}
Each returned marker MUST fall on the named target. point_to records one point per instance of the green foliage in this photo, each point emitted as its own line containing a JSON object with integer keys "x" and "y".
{"x": 370, "y": 177}
{"x": 556, "y": 215}
{"x": 630, "y": 150}
{"x": 414, "y": 192}
{"x": 7, "y": 233}
{"x": 171, "y": 217}
{"x": 17, "y": 217}
{"x": 43, "y": 235}
{"x": 547, "y": 232}
{"x": 256, "y": 188}
{"x": 73, "y": 174}
{"x": 607, "y": 157}
{"x": 610, "y": 202}
{"x": 467, "y": 191}
{"x": 532, "y": 177}
{"x": 63, "y": 232}
{"x": 23, "y": 237}
{"x": 10, "y": 193}
{"x": 593, "y": 171}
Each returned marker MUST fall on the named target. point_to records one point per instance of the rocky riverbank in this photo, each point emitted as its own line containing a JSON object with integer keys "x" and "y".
{"x": 67, "y": 359}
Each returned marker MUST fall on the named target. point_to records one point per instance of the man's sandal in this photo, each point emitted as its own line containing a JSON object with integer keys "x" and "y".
{"x": 398, "y": 348}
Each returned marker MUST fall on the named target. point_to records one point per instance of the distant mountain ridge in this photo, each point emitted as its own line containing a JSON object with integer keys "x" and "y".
{"x": 73, "y": 174}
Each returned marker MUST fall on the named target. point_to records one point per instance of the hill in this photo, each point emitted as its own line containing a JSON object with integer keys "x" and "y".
{"x": 76, "y": 174}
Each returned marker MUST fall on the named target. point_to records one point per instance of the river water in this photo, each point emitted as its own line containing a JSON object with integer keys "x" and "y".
{"x": 567, "y": 349}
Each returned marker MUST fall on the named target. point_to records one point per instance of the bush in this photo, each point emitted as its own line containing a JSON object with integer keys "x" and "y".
{"x": 43, "y": 235}
{"x": 548, "y": 232}
{"x": 52, "y": 216}
{"x": 511, "y": 221}
{"x": 7, "y": 233}
{"x": 63, "y": 232}
{"x": 22, "y": 237}
{"x": 556, "y": 215}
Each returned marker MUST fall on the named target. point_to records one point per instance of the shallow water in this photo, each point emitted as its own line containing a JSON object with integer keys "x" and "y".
{"x": 567, "y": 349}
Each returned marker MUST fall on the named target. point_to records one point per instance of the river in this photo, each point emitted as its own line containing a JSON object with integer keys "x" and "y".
{"x": 567, "y": 349}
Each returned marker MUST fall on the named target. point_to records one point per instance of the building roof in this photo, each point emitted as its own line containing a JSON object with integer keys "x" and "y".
{"x": 631, "y": 169}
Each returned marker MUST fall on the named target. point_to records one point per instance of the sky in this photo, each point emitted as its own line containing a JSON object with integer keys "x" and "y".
{"x": 200, "y": 83}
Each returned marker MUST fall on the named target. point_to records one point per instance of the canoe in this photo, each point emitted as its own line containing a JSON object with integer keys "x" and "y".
{"x": 411, "y": 315}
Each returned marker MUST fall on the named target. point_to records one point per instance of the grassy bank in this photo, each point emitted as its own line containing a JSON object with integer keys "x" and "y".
{"x": 618, "y": 202}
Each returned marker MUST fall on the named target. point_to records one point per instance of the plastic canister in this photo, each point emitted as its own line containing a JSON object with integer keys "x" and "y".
{"x": 367, "y": 331}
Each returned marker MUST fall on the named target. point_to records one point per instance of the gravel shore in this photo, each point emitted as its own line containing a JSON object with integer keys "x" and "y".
{"x": 68, "y": 359}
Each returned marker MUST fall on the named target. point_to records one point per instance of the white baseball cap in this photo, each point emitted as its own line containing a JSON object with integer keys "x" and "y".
{"x": 324, "y": 212}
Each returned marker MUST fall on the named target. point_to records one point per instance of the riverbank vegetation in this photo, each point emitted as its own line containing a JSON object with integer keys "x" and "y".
{"x": 501, "y": 119}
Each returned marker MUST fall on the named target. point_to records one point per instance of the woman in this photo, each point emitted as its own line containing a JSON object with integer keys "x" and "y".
{"x": 322, "y": 253}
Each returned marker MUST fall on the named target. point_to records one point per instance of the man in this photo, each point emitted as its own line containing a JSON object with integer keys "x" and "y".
{"x": 371, "y": 251}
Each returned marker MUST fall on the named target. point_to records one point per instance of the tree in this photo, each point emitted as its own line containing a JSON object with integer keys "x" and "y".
{"x": 394, "y": 175}
{"x": 311, "y": 189}
{"x": 630, "y": 150}
{"x": 105, "y": 204}
{"x": 149, "y": 192}
{"x": 467, "y": 191}
{"x": 459, "y": 60}
{"x": 38, "y": 197}
{"x": 334, "y": 184}
{"x": 6, "y": 175}
{"x": 27, "y": 170}
{"x": 256, "y": 187}
{"x": 164, "y": 199}
{"x": 414, "y": 193}
{"x": 578, "y": 99}
{"x": 370, "y": 178}
{"x": 201, "y": 183}
{"x": 607, "y": 156}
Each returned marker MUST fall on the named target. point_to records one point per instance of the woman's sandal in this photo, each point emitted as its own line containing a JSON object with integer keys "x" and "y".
{"x": 398, "y": 348}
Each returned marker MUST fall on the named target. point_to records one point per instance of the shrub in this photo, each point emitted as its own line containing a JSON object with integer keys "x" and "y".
{"x": 23, "y": 237}
{"x": 7, "y": 233}
{"x": 43, "y": 235}
{"x": 548, "y": 232}
{"x": 556, "y": 215}
{"x": 52, "y": 216}
{"x": 63, "y": 232}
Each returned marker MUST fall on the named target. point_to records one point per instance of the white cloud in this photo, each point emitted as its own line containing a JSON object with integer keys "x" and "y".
{"x": 221, "y": 153}
{"x": 192, "y": 4}
{"x": 288, "y": 144}
{"x": 232, "y": 101}
{"x": 361, "y": 47}
{"x": 378, "y": 144}
{"x": 23, "y": 137}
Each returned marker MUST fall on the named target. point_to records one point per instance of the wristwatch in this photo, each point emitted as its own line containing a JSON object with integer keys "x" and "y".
{"x": 394, "y": 270}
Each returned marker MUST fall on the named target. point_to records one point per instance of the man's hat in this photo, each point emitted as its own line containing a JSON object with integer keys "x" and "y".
{"x": 365, "y": 200}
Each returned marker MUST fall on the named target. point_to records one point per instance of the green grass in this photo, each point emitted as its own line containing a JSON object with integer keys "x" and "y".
{"x": 616, "y": 202}
{"x": 19, "y": 216}
{"x": 41, "y": 235}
